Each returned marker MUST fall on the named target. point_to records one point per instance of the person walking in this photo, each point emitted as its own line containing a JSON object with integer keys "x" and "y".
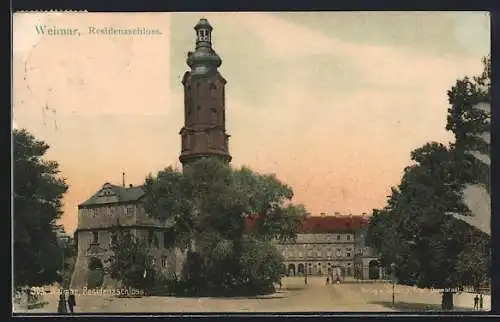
{"x": 328, "y": 280}
{"x": 71, "y": 302}
{"x": 476, "y": 300}
{"x": 61, "y": 307}
{"x": 481, "y": 302}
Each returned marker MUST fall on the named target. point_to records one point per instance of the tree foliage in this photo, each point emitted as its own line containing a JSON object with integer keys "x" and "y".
{"x": 209, "y": 203}
{"x": 414, "y": 231}
{"x": 129, "y": 262}
{"x": 468, "y": 122}
{"x": 38, "y": 192}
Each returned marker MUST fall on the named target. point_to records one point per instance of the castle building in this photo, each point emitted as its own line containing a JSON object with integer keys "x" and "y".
{"x": 322, "y": 245}
{"x": 327, "y": 244}
{"x": 203, "y": 135}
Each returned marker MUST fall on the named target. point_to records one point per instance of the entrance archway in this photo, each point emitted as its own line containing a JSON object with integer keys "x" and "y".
{"x": 291, "y": 269}
{"x": 373, "y": 270}
{"x": 300, "y": 269}
{"x": 95, "y": 275}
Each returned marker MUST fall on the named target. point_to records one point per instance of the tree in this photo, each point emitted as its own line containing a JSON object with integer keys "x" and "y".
{"x": 38, "y": 193}
{"x": 471, "y": 126}
{"x": 414, "y": 231}
{"x": 129, "y": 262}
{"x": 210, "y": 203}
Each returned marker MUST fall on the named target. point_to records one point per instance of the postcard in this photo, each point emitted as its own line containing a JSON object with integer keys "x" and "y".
{"x": 251, "y": 162}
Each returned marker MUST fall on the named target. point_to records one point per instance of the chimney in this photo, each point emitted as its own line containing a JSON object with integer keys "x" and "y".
{"x": 123, "y": 179}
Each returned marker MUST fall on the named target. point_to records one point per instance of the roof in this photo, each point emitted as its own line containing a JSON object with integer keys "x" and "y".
{"x": 110, "y": 193}
{"x": 324, "y": 224}
{"x": 203, "y": 23}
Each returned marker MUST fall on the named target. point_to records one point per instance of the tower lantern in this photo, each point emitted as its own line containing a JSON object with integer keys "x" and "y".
{"x": 203, "y": 33}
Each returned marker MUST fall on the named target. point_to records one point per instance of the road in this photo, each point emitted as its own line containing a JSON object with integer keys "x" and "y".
{"x": 295, "y": 296}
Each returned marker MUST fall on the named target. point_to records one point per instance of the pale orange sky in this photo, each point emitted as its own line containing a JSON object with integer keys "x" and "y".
{"x": 331, "y": 102}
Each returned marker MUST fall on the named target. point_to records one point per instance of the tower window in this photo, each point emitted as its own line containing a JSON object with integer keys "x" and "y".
{"x": 214, "y": 115}
{"x": 203, "y": 35}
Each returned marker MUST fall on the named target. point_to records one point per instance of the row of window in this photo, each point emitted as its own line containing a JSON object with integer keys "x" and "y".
{"x": 109, "y": 211}
{"x": 151, "y": 238}
{"x": 329, "y": 253}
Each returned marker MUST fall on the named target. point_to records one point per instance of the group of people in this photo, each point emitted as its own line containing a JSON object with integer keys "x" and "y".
{"x": 65, "y": 304}
{"x": 478, "y": 302}
{"x": 337, "y": 280}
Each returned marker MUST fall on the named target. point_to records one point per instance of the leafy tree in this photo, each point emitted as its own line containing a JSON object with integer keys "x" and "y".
{"x": 209, "y": 203}
{"x": 129, "y": 262}
{"x": 468, "y": 122}
{"x": 414, "y": 231}
{"x": 38, "y": 193}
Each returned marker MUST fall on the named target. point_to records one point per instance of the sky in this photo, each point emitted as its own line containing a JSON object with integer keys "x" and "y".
{"x": 331, "y": 102}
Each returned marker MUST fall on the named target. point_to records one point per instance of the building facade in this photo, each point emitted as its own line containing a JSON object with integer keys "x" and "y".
{"x": 328, "y": 244}
{"x": 118, "y": 207}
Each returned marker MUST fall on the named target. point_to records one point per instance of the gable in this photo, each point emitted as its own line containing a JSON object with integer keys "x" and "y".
{"x": 110, "y": 193}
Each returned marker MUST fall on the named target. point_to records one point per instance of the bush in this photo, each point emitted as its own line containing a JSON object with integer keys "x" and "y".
{"x": 95, "y": 278}
{"x": 164, "y": 284}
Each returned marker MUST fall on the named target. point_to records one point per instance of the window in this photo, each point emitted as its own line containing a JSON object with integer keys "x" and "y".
{"x": 164, "y": 262}
{"x": 95, "y": 237}
{"x": 214, "y": 115}
{"x": 348, "y": 252}
{"x": 348, "y": 237}
{"x": 129, "y": 210}
{"x": 152, "y": 239}
{"x": 168, "y": 239}
{"x": 301, "y": 254}
{"x": 338, "y": 237}
{"x": 112, "y": 240}
{"x": 310, "y": 253}
{"x": 339, "y": 252}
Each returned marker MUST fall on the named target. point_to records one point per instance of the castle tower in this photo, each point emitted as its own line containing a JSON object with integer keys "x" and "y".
{"x": 204, "y": 131}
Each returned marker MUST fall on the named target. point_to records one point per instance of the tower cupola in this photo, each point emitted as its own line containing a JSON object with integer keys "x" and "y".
{"x": 204, "y": 60}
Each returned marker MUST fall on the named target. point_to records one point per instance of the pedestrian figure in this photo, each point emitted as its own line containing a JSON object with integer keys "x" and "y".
{"x": 61, "y": 307}
{"x": 481, "y": 302}
{"x": 476, "y": 300}
{"x": 327, "y": 280}
{"x": 71, "y": 302}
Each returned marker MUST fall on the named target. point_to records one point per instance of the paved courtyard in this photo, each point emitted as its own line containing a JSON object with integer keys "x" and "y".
{"x": 294, "y": 296}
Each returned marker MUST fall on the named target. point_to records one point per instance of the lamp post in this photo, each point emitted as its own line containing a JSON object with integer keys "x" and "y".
{"x": 393, "y": 268}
